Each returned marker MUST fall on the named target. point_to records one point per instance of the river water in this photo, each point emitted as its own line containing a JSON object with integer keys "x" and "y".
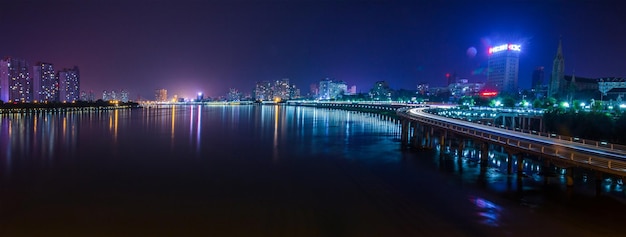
{"x": 270, "y": 170}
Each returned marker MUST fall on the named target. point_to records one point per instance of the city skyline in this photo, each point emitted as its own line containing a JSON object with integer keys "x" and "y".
{"x": 193, "y": 46}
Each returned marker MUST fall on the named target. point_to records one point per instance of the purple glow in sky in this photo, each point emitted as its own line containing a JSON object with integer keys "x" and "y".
{"x": 211, "y": 46}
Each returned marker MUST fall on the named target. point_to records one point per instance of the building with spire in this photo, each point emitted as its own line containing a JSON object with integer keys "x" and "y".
{"x": 557, "y": 80}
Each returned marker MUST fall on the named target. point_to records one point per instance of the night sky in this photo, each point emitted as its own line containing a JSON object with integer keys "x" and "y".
{"x": 189, "y": 46}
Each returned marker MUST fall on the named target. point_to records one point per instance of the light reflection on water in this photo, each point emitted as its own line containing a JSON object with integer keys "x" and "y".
{"x": 266, "y": 137}
{"x": 488, "y": 212}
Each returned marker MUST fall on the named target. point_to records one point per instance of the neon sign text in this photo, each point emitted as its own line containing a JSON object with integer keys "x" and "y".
{"x": 509, "y": 47}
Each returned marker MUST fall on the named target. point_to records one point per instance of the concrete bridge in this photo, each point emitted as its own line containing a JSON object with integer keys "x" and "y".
{"x": 419, "y": 130}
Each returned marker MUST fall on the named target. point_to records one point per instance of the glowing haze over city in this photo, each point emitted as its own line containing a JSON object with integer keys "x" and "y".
{"x": 188, "y": 47}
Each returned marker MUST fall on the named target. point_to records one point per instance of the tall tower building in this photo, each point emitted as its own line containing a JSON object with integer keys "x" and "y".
{"x": 503, "y": 67}
{"x": 538, "y": 76}
{"x": 15, "y": 81}
{"x": 69, "y": 85}
{"x": 45, "y": 83}
{"x": 557, "y": 80}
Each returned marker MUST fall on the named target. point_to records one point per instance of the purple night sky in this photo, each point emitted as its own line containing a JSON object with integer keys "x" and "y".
{"x": 211, "y": 46}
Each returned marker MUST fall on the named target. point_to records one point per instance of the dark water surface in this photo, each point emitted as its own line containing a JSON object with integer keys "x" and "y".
{"x": 265, "y": 171}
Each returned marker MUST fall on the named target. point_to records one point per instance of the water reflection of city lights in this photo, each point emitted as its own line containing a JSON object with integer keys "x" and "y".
{"x": 173, "y": 121}
{"x": 198, "y": 126}
{"x": 488, "y": 211}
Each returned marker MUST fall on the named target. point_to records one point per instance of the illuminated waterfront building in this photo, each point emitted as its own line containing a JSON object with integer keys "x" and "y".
{"x": 324, "y": 89}
{"x": 423, "y": 88}
{"x": 233, "y": 95}
{"x": 83, "y": 96}
{"x": 45, "y": 83}
{"x": 160, "y": 95}
{"x": 503, "y": 67}
{"x": 331, "y": 89}
{"x": 124, "y": 96}
{"x": 15, "y": 80}
{"x": 263, "y": 91}
{"x": 69, "y": 85}
{"x": 294, "y": 93}
{"x": 462, "y": 87}
{"x": 380, "y": 91}
{"x": 280, "y": 89}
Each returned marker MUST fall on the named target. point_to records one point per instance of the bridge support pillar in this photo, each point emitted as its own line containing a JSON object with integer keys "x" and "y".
{"x": 405, "y": 132}
{"x": 459, "y": 156}
{"x": 442, "y": 143}
{"x": 520, "y": 166}
{"x": 484, "y": 154}
{"x": 416, "y": 134}
{"x": 547, "y": 172}
{"x": 509, "y": 163}
{"x": 569, "y": 177}
{"x": 459, "y": 151}
{"x": 425, "y": 136}
{"x": 431, "y": 133}
{"x": 598, "y": 183}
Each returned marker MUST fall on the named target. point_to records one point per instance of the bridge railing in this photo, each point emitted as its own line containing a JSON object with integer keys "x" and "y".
{"x": 598, "y": 144}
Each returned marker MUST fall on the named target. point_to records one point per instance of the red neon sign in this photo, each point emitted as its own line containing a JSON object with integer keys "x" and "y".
{"x": 489, "y": 93}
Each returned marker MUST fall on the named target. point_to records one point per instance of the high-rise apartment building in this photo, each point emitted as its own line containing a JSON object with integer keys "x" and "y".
{"x": 69, "y": 85}
{"x": 15, "y": 80}
{"x": 45, "y": 83}
{"x": 503, "y": 67}
{"x": 263, "y": 91}
{"x": 332, "y": 89}
{"x": 324, "y": 89}
{"x": 124, "y": 96}
{"x": 280, "y": 89}
{"x": 160, "y": 95}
